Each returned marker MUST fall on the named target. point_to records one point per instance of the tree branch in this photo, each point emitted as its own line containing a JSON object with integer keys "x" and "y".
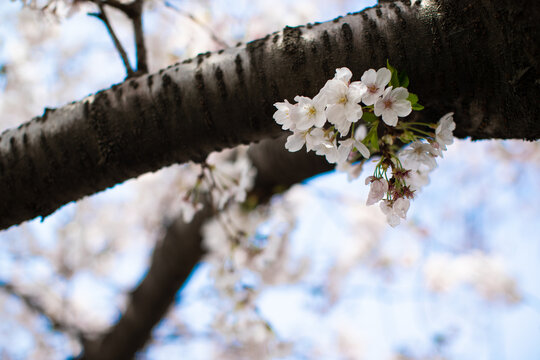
{"x": 172, "y": 261}
{"x": 463, "y": 56}
{"x": 134, "y": 12}
{"x": 125, "y": 8}
{"x": 180, "y": 250}
{"x": 117, "y": 44}
{"x": 140, "y": 48}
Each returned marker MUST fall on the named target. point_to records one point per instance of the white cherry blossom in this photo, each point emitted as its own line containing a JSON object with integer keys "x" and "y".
{"x": 339, "y": 102}
{"x": 315, "y": 138}
{"x": 309, "y": 112}
{"x": 329, "y": 149}
{"x": 312, "y": 138}
{"x": 233, "y": 175}
{"x": 354, "y": 142}
{"x": 343, "y": 107}
{"x": 443, "y": 133}
{"x": 375, "y": 83}
{"x": 283, "y": 115}
{"x": 343, "y": 74}
{"x": 419, "y": 156}
{"x": 393, "y": 103}
{"x": 296, "y": 141}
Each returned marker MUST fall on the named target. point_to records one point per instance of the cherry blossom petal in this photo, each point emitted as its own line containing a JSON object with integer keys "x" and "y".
{"x": 295, "y": 141}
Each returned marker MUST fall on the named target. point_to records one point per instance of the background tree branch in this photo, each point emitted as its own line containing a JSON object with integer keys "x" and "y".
{"x": 133, "y": 11}
{"x": 181, "y": 249}
{"x": 117, "y": 44}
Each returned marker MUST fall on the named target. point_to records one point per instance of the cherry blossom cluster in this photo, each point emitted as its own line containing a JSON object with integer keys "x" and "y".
{"x": 248, "y": 251}
{"x": 225, "y": 177}
{"x": 347, "y": 122}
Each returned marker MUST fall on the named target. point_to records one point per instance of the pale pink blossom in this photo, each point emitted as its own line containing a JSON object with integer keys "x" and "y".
{"x": 391, "y": 217}
{"x": 393, "y": 103}
{"x": 401, "y": 206}
{"x": 377, "y": 190}
{"x": 374, "y": 83}
{"x": 396, "y": 211}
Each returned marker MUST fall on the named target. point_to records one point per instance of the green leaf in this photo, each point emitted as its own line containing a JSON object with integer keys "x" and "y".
{"x": 369, "y": 117}
{"x": 403, "y": 80}
{"x": 413, "y": 98}
{"x": 394, "y": 81}
{"x": 417, "y": 107}
{"x": 407, "y": 137}
{"x": 372, "y": 139}
{"x": 375, "y": 142}
{"x": 390, "y": 67}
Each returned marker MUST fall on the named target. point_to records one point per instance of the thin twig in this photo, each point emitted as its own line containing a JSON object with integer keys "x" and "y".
{"x": 117, "y": 44}
{"x": 186, "y": 14}
{"x": 134, "y": 12}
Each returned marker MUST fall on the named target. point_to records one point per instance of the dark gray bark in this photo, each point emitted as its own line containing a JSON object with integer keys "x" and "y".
{"x": 477, "y": 58}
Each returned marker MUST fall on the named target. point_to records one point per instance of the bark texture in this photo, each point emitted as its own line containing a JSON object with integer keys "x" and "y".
{"x": 478, "y": 58}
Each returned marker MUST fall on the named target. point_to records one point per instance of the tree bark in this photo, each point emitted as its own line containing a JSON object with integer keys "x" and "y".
{"x": 478, "y": 58}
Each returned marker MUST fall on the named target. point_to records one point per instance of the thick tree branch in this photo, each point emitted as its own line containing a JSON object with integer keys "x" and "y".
{"x": 180, "y": 250}
{"x": 476, "y": 58}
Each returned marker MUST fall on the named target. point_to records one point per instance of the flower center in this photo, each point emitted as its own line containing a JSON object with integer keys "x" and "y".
{"x": 372, "y": 88}
{"x": 387, "y": 104}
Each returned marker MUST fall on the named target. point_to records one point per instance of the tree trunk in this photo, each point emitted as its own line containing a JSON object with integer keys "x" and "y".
{"x": 478, "y": 58}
